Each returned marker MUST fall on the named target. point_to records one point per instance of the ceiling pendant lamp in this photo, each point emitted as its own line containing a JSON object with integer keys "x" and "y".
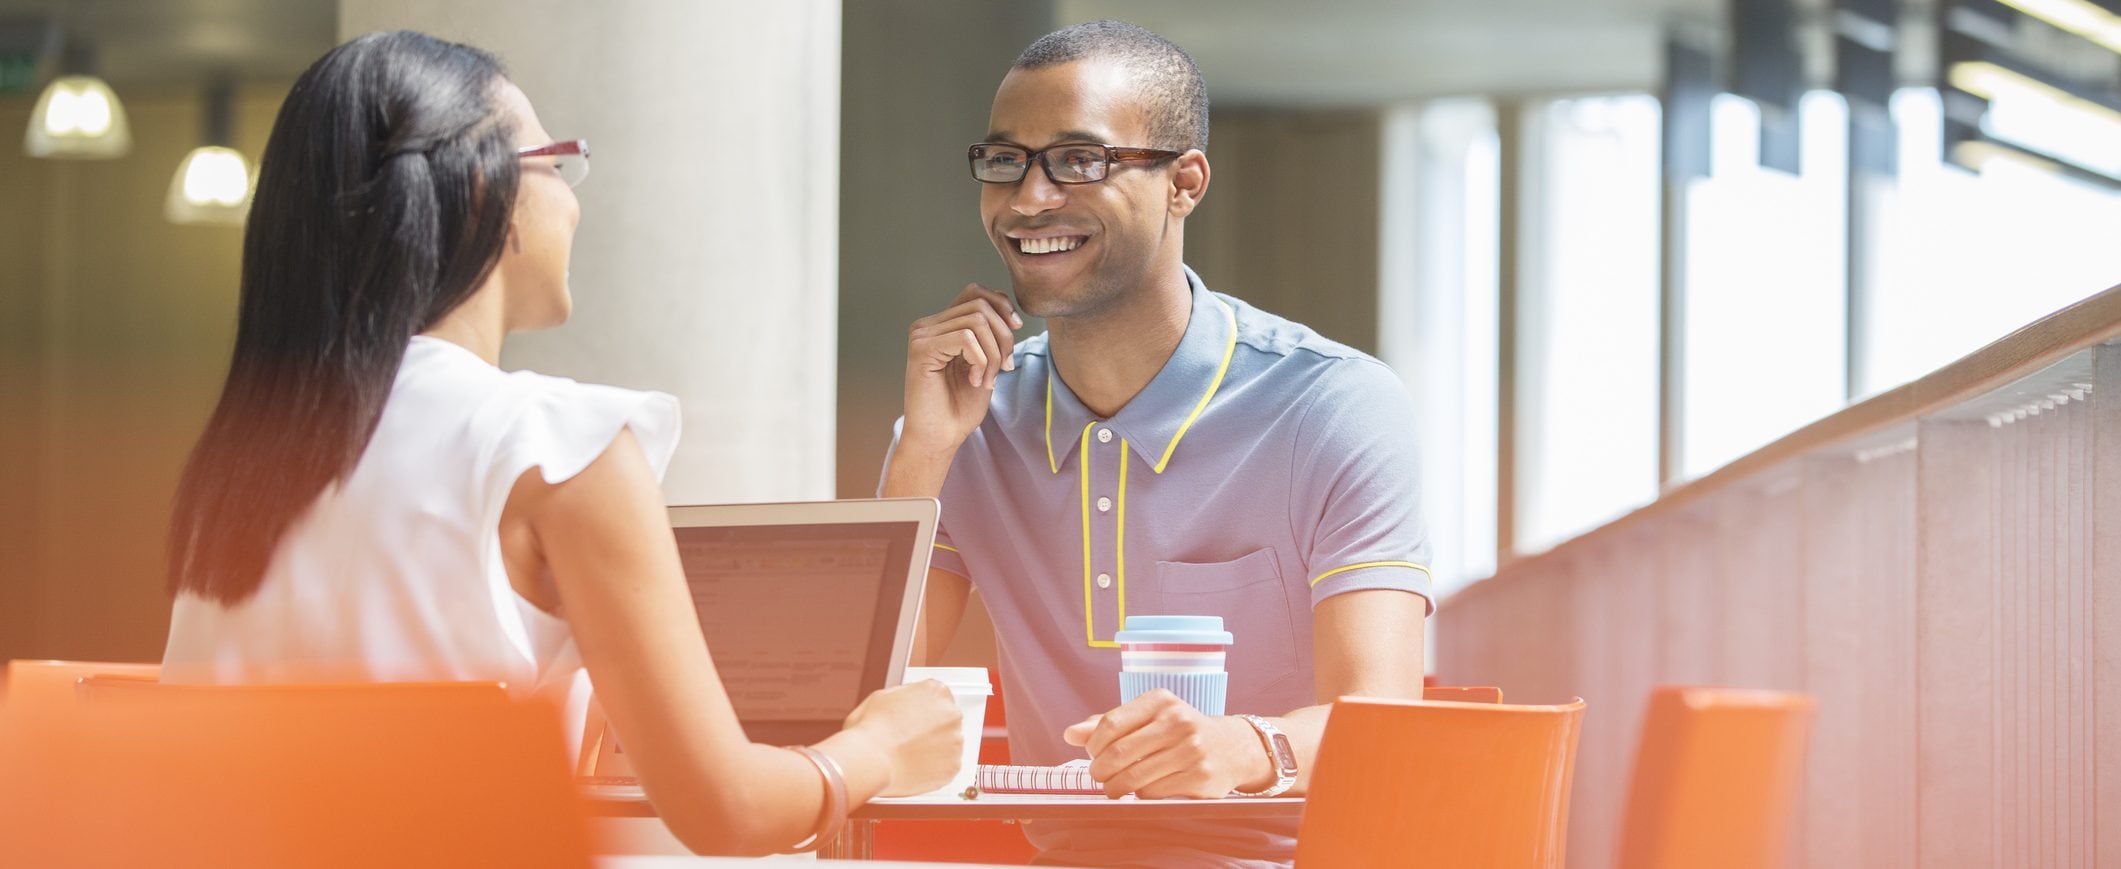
{"x": 77, "y": 116}
{"x": 213, "y": 183}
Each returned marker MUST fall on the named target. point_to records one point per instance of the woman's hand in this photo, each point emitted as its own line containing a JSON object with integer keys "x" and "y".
{"x": 919, "y": 728}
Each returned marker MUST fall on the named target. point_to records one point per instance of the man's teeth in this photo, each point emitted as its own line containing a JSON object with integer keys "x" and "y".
{"x": 1051, "y": 245}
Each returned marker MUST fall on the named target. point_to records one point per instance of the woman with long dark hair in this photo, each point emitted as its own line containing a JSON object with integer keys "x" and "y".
{"x": 373, "y": 499}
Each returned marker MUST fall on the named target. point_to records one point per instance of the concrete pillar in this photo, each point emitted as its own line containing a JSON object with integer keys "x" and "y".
{"x": 706, "y": 262}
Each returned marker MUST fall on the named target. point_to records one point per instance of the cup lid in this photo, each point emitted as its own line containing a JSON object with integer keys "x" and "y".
{"x": 960, "y": 679}
{"x": 1175, "y": 629}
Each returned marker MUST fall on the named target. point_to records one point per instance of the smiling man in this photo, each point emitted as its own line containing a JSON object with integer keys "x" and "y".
{"x": 1161, "y": 450}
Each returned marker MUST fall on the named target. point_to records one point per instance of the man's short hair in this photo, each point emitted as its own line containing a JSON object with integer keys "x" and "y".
{"x": 1168, "y": 82}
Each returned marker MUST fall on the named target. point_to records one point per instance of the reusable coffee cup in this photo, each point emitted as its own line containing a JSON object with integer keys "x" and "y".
{"x": 1181, "y": 654}
{"x": 971, "y": 688}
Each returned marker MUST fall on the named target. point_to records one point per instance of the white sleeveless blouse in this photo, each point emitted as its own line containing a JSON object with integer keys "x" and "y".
{"x": 395, "y": 573}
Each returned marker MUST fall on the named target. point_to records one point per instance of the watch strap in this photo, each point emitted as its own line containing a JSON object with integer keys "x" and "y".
{"x": 1280, "y": 754}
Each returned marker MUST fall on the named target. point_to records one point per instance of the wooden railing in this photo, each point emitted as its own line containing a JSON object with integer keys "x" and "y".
{"x": 1939, "y": 565}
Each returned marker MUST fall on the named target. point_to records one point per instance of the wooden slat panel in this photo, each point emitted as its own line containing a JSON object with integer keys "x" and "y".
{"x": 1690, "y": 627}
{"x": 1954, "y": 604}
{"x": 1835, "y": 807}
{"x": 1760, "y": 535}
{"x": 2104, "y": 593}
{"x": 1858, "y": 572}
{"x": 1957, "y": 620}
{"x": 1614, "y": 665}
{"x": 2040, "y": 622}
{"x": 1890, "y": 595}
{"x": 2076, "y": 549}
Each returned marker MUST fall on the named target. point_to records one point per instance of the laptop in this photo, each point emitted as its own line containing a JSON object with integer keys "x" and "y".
{"x": 807, "y": 608}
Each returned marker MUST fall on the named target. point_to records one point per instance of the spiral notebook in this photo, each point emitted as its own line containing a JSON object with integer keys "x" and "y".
{"x": 1072, "y": 777}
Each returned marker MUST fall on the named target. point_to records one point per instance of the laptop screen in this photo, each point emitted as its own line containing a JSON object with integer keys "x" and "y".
{"x": 807, "y": 608}
{"x": 799, "y": 618}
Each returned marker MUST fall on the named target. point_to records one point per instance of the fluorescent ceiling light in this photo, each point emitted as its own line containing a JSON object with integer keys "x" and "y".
{"x": 2080, "y": 17}
{"x": 1975, "y": 154}
{"x": 2044, "y": 118}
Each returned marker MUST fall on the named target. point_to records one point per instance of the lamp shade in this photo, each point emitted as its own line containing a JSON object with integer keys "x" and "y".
{"x": 212, "y": 186}
{"x": 78, "y": 117}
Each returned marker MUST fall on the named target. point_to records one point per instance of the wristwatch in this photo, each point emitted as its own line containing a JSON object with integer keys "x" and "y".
{"x": 1279, "y": 752}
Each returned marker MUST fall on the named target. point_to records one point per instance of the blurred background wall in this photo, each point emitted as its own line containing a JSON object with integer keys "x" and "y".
{"x": 115, "y": 326}
{"x": 115, "y": 323}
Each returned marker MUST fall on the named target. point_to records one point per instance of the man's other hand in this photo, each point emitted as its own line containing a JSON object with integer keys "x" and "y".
{"x": 1157, "y": 746}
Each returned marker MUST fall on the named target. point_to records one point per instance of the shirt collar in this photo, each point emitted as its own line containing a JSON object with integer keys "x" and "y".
{"x": 1157, "y": 419}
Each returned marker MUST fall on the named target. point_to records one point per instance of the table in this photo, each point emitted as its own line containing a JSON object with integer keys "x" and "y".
{"x": 856, "y": 837}
{"x": 627, "y": 861}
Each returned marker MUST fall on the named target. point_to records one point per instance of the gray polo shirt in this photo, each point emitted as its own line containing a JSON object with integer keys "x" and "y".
{"x": 1263, "y": 470}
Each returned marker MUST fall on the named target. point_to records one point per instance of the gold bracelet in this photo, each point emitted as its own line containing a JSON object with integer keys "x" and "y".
{"x": 834, "y": 812}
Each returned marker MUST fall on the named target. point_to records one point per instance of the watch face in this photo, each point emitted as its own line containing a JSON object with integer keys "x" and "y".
{"x": 1284, "y": 754}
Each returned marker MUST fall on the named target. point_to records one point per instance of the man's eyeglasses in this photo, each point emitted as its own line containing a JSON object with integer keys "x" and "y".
{"x": 994, "y": 163}
{"x": 570, "y": 159}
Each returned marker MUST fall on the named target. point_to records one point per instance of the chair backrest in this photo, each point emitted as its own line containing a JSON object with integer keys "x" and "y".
{"x": 1403, "y": 782}
{"x": 1463, "y": 693}
{"x": 1715, "y": 777}
{"x": 341, "y": 775}
{"x": 47, "y": 682}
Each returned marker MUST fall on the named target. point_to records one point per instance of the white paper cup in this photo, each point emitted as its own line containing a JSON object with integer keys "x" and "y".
{"x": 971, "y": 688}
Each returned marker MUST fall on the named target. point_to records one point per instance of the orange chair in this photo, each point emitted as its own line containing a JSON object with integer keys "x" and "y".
{"x": 329, "y": 776}
{"x": 47, "y": 682}
{"x": 1715, "y": 778}
{"x": 1462, "y": 693}
{"x": 1404, "y": 782}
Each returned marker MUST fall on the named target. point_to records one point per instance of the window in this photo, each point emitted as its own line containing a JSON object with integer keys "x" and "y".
{"x": 1766, "y": 311}
{"x": 1439, "y": 304}
{"x": 1965, "y": 259}
{"x": 1588, "y": 343}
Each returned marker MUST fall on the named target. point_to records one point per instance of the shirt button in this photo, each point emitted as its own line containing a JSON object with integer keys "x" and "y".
{"x": 1104, "y": 505}
{"x": 1104, "y": 580}
{"x": 1104, "y": 435}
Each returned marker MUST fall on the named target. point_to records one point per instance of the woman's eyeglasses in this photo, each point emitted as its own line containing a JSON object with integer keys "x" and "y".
{"x": 570, "y": 159}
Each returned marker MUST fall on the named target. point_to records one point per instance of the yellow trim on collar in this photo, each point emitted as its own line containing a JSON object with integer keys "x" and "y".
{"x": 1082, "y": 473}
{"x": 1229, "y": 350}
{"x": 947, "y": 548}
{"x": 1121, "y": 538}
{"x": 1321, "y": 577}
{"x": 1051, "y": 463}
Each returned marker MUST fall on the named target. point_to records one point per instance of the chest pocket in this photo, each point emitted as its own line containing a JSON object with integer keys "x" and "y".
{"x": 1248, "y": 594}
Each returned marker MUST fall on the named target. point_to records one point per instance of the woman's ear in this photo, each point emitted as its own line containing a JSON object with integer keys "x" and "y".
{"x": 515, "y": 239}
{"x": 1190, "y": 183}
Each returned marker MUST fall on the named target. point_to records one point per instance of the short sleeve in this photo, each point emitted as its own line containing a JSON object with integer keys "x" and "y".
{"x": 559, "y": 427}
{"x": 1356, "y": 497}
{"x": 946, "y": 556}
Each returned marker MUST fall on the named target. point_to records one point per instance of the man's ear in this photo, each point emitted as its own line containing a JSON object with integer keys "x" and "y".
{"x": 1190, "y": 183}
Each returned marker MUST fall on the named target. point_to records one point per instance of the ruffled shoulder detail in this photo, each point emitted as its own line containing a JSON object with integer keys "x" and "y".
{"x": 560, "y": 426}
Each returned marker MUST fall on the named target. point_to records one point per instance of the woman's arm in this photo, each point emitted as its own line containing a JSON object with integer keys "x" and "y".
{"x": 606, "y": 538}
